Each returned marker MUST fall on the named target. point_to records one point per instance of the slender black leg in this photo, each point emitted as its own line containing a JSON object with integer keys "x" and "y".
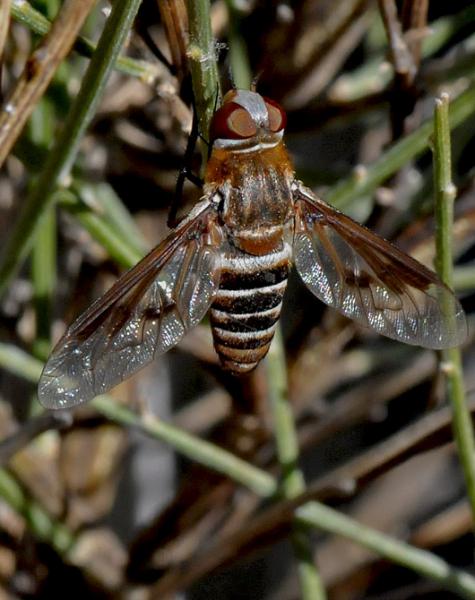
{"x": 154, "y": 49}
{"x": 185, "y": 173}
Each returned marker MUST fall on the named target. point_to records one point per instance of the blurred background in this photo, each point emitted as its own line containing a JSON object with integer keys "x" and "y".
{"x": 95, "y": 509}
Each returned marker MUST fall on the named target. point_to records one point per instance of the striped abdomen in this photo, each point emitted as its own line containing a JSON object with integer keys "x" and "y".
{"x": 247, "y": 307}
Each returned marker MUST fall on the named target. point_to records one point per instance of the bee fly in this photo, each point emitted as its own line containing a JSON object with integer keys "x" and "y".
{"x": 232, "y": 255}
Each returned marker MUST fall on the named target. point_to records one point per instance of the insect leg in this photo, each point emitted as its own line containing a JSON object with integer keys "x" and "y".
{"x": 185, "y": 173}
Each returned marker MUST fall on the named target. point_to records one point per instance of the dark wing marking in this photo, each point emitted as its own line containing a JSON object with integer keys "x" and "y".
{"x": 366, "y": 278}
{"x": 145, "y": 313}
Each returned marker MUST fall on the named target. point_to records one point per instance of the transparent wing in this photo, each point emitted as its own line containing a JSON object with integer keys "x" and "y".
{"x": 371, "y": 281}
{"x": 144, "y": 314}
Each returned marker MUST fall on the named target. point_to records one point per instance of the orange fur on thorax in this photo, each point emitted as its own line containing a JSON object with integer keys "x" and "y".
{"x": 225, "y": 165}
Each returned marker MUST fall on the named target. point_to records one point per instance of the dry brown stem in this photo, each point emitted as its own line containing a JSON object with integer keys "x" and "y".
{"x": 39, "y": 70}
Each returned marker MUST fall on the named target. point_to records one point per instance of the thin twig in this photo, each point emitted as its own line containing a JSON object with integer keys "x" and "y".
{"x": 425, "y": 563}
{"x": 4, "y": 25}
{"x": 24, "y": 13}
{"x": 44, "y": 252}
{"x": 365, "y": 179}
{"x": 263, "y": 484}
{"x": 405, "y": 57}
{"x": 194, "y": 448}
{"x": 39, "y": 522}
{"x": 464, "y": 278}
{"x": 327, "y": 65}
{"x": 293, "y": 483}
{"x": 65, "y": 149}
{"x": 119, "y": 243}
{"x": 401, "y": 57}
{"x": 445, "y": 193}
{"x": 354, "y": 85}
{"x": 431, "y": 430}
{"x": 313, "y": 513}
{"x": 414, "y": 22}
{"x": 39, "y": 70}
{"x": 204, "y": 71}
{"x": 31, "y": 429}
{"x": 175, "y": 22}
{"x": 274, "y": 523}
{"x": 238, "y": 56}
{"x": 307, "y": 49}
{"x": 325, "y": 519}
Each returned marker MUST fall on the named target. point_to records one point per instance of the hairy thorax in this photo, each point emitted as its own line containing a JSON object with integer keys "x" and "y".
{"x": 256, "y": 197}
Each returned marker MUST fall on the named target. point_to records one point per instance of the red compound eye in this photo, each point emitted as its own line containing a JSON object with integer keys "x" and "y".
{"x": 277, "y": 116}
{"x": 232, "y": 122}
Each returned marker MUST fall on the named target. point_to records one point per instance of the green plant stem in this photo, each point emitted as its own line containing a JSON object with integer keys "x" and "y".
{"x": 64, "y": 151}
{"x": 238, "y": 58}
{"x": 43, "y": 275}
{"x": 4, "y": 23}
{"x": 446, "y": 28}
{"x": 464, "y": 278}
{"x": 39, "y": 522}
{"x": 204, "y": 71}
{"x": 24, "y": 13}
{"x": 311, "y": 514}
{"x": 120, "y": 247}
{"x": 107, "y": 236}
{"x": 106, "y": 219}
{"x": 425, "y": 563}
{"x": 24, "y": 365}
{"x": 20, "y": 363}
{"x": 44, "y": 252}
{"x": 112, "y": 209}
{"x": 293, "y": 483}
{"x": 38, "y": 72}
{"x": 365, "y": 179}
{"x": 445, "y": 193}
{"x": 193, "y": 448}
{"x": 356, "y": 83}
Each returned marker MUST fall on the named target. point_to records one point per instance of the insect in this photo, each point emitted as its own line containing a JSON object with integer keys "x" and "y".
{"x": 232, "y": 255}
